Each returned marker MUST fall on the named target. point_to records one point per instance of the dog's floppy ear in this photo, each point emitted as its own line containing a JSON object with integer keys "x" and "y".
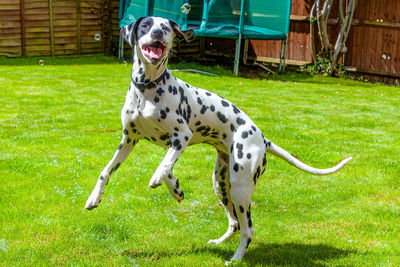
{"x": 188, "y": 35}
{"x": 128, "y": 32}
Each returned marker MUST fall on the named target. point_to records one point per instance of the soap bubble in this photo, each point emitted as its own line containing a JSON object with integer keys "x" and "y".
{"x": 125, "y": 63}
{"x": 185, "y": 8}
{"x": 41, "y": 62}
{"x": 97, "y": 36}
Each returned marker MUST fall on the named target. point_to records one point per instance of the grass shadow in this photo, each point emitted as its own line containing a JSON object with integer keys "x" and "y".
{"x": 292, "y": 254}
{"x": 287, "y": 254}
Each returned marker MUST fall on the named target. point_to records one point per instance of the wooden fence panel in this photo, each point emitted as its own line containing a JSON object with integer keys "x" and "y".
{"x": 10, "y": 28}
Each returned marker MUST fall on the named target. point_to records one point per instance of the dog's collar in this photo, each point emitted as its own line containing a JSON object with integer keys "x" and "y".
{"x": 142, "y": 86}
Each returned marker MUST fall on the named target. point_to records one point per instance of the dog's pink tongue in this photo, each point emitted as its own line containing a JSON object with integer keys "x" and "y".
{"x": 155, "y": 52}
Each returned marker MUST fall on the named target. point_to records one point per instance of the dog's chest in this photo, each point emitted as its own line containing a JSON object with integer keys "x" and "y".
{"x": 146, "y": 122}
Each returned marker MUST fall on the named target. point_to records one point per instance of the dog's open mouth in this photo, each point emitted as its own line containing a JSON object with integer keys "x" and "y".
{"x": 154, "y": 51}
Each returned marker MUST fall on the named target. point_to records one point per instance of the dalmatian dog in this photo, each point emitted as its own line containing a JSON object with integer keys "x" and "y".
{"x": 171, "y": 113}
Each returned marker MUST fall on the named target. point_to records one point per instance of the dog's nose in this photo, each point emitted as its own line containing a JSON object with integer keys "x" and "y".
{"x": 157, "y": 34}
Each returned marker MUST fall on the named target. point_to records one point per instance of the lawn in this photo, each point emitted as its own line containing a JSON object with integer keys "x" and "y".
{"x": 60, "y": 124}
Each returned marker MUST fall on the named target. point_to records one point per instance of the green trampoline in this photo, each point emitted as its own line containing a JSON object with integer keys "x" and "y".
{"x": 235, "y": 19}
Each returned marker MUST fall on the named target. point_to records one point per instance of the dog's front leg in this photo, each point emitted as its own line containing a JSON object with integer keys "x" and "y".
{"x": 179, "y": 141}
{"x": 123, "y": 150}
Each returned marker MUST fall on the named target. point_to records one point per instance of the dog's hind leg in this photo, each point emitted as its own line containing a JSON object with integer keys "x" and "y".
{"x": 222, "y": 189}
{"x": 244, "y": 173}
{"x": 123, "y": 150}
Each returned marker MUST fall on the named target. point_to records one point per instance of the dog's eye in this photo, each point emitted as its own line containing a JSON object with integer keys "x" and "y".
{"x": 145, "y": 26}
{"x": 165, "y": 28}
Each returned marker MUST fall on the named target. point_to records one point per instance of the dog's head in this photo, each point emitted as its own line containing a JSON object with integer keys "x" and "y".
{"x": 154, "y": 36}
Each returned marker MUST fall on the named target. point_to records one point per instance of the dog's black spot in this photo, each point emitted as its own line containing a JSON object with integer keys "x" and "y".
{"x": 120, "y": 146}
{"x": 239, "y": 147}
{"x": 254, "y": 128}
{"x": 139, "y": 61}
{"x": 140, "y": 70}
{"x": 134, "y": 130}
{"x": 175, "y": 191}
{"x": 245, "y": 134}
{"x": 163, "y": 114}
{"x": 186, "y": 138}
{"x": 167, "y": 109}
{"x": 125, "y": 131}
{"x": 164, "y": 137}
{"x": 222, "y": 184}
{"x": 224, "y": 103}
{"x": 142, "y": 77}
{"x": 187, "y": 85}
{"x": 212, "y": 108}
{"x": 115, "y": 168}
{"x": 221, "y": 117}
{"x": 231, "y": 148}
{"x": 203, "y": 109}
{"x": 188, "y": 113}
{"x": 197, "y": 123}
{"x": 250, "y": 223}
{"x": 250, "y": 132}
{"x": 222, "y": 172}
{"x": 233, "y": 129}
{"x": 197, "y": 93}
{"x": 167, "y": 75}
{"x": 248, "y": 242}
{"x": 236, "y": 167}
{"x": 256, "y": 175}
{"x": 176, "y": 129}
{"x": 248, "y": 155}
{"x": 177, "y": 183}
{"x": 176, "y": 143}
{"x": 153, "y": 138}
{"x": 101, "y": 177}
{"x": 169, "y": 176}
{"x": 199, "y": 101}
{"x": 234, "y": 213}
{"x": 224, "y": 136}
{"x": 208, "y": 94}
{"x": 175, "y": 134}
{"x": 225, "y": 201}
{"x": 264, "y": 160}
{"x": 156, "y": 99}
{"x": 170, "y": 88}
{"x": 132, "y": 124}
{"x": 240, "y": 121}
{"x": 241, "y": 208}
{"x": 235, "y": 109}
{"x": 128, "y": 140}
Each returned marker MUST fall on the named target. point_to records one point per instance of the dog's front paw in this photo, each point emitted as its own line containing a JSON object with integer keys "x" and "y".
{"x": 93, "y": 201}
{"x": 155, "y": 182}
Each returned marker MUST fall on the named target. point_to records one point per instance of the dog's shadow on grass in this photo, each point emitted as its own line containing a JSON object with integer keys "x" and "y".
{"x": 286, "y": 254}
{"x": 292, "y": 254}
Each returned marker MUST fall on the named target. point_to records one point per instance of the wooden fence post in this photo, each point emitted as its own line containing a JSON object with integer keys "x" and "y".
{"x": 51, "y": 28}
{"x": 78, "y": 26}
{"x": 22, "y": 17}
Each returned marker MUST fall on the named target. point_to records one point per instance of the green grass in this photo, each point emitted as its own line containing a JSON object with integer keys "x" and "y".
{"x": 59, "y": 126}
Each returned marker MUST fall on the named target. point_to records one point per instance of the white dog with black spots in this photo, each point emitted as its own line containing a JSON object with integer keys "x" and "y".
{"x": 171, "y": 113}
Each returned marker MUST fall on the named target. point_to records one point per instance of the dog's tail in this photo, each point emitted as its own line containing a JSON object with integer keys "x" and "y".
{"x": 280, "y": 152}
